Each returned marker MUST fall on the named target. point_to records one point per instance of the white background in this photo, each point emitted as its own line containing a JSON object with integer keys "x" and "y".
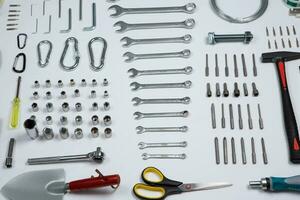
{"x": 122, "y": 154}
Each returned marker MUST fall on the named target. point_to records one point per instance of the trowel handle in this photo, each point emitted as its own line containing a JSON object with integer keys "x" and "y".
{"x": 94, "y": 182}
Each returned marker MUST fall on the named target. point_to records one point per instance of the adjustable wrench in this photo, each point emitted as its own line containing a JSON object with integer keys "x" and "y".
{"x": 130, "y": 41}
{"x": 134, "y": 72}
{"x": 141, "y": 129}
{"x": 138, "y": 86}
{"x": 147, "y": 156}
{"x": 123, "y": 26}
{"x": 139, "y": 115}
{"x": 119, "y": 11}
{"x": 138, "y": 101}
{"x": 143, "y": 145}
{"x": 132, "y": 56}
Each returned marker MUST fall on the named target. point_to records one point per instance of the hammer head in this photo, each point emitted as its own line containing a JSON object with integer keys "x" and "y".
{"x": 273, "y": 57}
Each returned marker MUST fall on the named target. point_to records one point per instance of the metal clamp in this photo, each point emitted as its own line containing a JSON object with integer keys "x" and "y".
{"x": 102, "y": 59}
{"x": 41, "y": 63}
{"x": 76, "y": 54}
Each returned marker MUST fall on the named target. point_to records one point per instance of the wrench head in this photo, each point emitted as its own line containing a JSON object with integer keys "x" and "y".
{"x": 138, "y": 115}
{"x": 133, "y": 71}
{"x": 190, "y": 8}
{"x": 123, "y": 26}
{"x": 145, "y": 156}
{"x": 130, "y": 56}
{"x": 97, "y": 156}
{"x": 188, "y": 70}
{"x": 118, "y": 10}
{"x": 186, "y": 53}
{"x": 137, "y": 101}
{"x": 187, "y": 38}
{"x": 127, "y": 41}
{"x": 135, "y": 86}
{"x": 184, "y": 129}
{"x": 189, "y": 23}
{"x": 185, "y": 113}
{"x": 140, "y": 130}
{"x": 187, "y": 84}
{"x": 142, "y": 145}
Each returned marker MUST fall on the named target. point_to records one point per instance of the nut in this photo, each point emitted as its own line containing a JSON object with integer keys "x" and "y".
{"x": 78, "y": 133}
{"x": 64, "y": 133}
{"x": 107, "y": 132}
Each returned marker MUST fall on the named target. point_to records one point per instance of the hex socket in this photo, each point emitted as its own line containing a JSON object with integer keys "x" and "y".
{"x": 31, "y": 128}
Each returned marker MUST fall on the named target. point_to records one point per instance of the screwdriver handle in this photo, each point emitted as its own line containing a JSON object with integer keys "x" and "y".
{"x": 285, "y": 184}
{"x": 14, "y": 121}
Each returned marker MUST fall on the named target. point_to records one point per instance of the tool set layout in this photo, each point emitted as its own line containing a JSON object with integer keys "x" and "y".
{"x": 79, "y": 110}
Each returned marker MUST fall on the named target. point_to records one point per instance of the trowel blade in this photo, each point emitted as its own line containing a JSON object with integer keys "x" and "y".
{"x": 36, "y": 185}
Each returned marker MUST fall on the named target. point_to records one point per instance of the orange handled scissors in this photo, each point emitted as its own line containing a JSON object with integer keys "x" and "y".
{"x": 162, "y": 187}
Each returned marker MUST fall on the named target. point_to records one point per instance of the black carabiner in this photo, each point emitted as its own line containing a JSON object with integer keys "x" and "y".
{"x": 21, "y": 45}
{"x": 16, "y": 61}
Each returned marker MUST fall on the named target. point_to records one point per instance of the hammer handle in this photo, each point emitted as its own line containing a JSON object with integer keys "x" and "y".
{"x": 289, "y": 116}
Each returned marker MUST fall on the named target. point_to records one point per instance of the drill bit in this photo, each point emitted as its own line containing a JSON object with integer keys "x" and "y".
{"x": 213, "y": 116}
{"x": 225, "y": 151}
{"x": 260, "y": 120}
{"x": 233, "y": 152}
{"x": 206, "y": 66}
{"x": 236, "y": 71}
{"x": 253, "y": 151}
{"x": 244, "y": 65}
{"x": 223, "y": 117}
{"x": 249, "y": 117}
{"x": 226, "y": 66}
{"x": 217, "y": 66}
{"x": 244, "y": 158}
{"x": 231, "y": 116}
{"x": 264, "y": 152}
{"x": 254, "y": 65}
{"x": 217, "y": 151}
{"x": 240, "y": 116}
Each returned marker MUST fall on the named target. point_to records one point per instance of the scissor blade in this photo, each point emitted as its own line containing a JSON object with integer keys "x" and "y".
{"x": 198, "y": 186}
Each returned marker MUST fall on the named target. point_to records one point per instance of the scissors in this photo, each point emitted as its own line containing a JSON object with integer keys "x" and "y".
{"x": 163, "y": 187}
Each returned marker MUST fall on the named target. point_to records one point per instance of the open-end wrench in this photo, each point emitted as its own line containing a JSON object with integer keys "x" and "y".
{"x": 134, "y": 72}
{"x": 141, "y": 129}
{"x": 123, "y": 26}
{"x": 138, "y": 101}
{"x": 139, "y": 115}
{"x": 130, "y": 41}
{"x": 147, "y": 156}
{"x": 137, "y": 86}
{"x": 119, "y": 11}
{"x": 132, "y": 56}
{"x": 143, "y": 145}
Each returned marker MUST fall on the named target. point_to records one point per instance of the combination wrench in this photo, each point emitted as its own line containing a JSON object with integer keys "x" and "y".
{"x": 138, "y": 101}
{"x": 127, "y": 41}
{"x": 134, "y": 72}
{"x": 143, "y": 145}
{"x": 140, "y": 115}
{"x": 147, "y": 156}
{"x": 119, "y": 11}
{"x": 138, "y": 86}
{"x": 132, "y": 56}
{"x": 123, "y": 26}
{"x": 141, "y": 129}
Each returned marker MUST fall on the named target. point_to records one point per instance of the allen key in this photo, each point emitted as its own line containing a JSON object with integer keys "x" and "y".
{"x": 36, "y": 26}
{"x": 94, "y": 19}
{"x": 49, "y": 25}
{"x": 69, "y": 22}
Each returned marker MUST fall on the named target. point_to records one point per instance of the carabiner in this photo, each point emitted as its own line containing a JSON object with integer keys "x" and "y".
{"x": 45, "y": 42}
{"x": 16, "y": 61}
{"x": 22, "y": 45}
{"x": 102, "y": 59}
{"x": 76, "y": 54}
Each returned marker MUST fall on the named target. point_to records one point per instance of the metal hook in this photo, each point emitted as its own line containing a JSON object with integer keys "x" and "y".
{"x": 76, "y": 54}
{"x": 22, "y": 45}
{"x": 41, "y": 63}
{"x": 16, "y": 61}
{"x": 102, "y": 59}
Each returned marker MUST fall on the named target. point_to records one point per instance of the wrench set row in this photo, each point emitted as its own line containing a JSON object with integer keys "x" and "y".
{"x": 236, "y": 91}
{"x": 243, "y": 154}
{"x": 231, "y": 115}
{"x": 286, "y": 40}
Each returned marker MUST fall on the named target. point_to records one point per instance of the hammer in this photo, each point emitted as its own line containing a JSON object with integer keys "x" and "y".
{"x": 279, "y": 58}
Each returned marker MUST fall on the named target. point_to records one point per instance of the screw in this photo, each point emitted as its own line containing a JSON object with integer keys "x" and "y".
{"x": 245, "y": 38}
{"x": 206, "y": 66}
{"x": 105, "y": 94}
{"x": 78, "y": 133}
{"x": 78, "y": 120}
{"x": 245, "y": 89}
{"x": 236, "y": 91}
{"x": 63, "y": 120}
{"x": 95, "y": 132}
{"x": 48, "y": 133}
{"x": 213, "y": 116}
{"x": 107, "y": 120}
{"x": 208, "y": 90}
{"x": 226, "y": 66}
{"x": 225, "y": 90}
{"x": 217, "y": 66}
{"x": 65, "y": 107}
{"x": 93, "y": 94}
{"x": 217, "y": 151}
{"x": 255, "y": 90}
{"x": 35, "y": 107}
{"x": 49, "y": 120}
{"x": 95, "y": 120}
{"x": 8, "y": 161}
{"x": 218, "y": 92}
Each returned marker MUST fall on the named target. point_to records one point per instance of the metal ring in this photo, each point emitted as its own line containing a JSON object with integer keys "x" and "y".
{"x": 263, "y": 7}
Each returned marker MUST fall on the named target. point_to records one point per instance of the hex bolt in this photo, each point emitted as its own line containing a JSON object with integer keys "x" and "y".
{"x": 83, "y": 83}
{"x": 78, "y": 107}
{"x": 8, "y": 160}
{"x": 218, "y": 92}
{"x": 65, "y": 107}
{"x": 107, "y": 120}
{"x": 106, "y": 106}
{"x": 107, "y": 132}
{"x": 48, "y": 95}
{"x": 94, "y": 82}
{"x": 236, "y": 91}
{"x": 255, "y": 90}
{"x": 94, "y": 132}
{"x": 105, "y": 82}
{"x": 245, "y": 38}
{"x": 63, "y": 120}
{"x": 78, "y": 120}
{"x": 34, "y": 107}
{"x": 76, "y": 93}
{"x": 63, "y": 94}
{"x": 48, "y": 133}
{"x": 60, "y": 83}
{"x": 245, "y": 89}
{"x": 49, "y": 120}
{"x": 36, "y": 95}
{"x": 64, "y": 133}
{"x": 208, "y": 90}
{"x": 95, "y": 106}
{"x": 93, "y": 94}
{"x": 225, "y": 90}
{"x": 36, "y": 84}
{"x": 72, "y": 82}
{"x": 78, "y": 133}
{"x": 48, "y": 83}
{"x": 105, "y": 94}
{"x": 95, "y": 120}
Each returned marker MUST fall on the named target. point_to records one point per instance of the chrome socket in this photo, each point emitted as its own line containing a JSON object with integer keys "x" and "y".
{"x": 31, "y": 128}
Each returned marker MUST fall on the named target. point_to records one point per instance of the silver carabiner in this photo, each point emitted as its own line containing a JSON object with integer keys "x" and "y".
{"x": 76, "y": 54}
{"x": 44, "y": 42}
{"x": 102, "y": 59}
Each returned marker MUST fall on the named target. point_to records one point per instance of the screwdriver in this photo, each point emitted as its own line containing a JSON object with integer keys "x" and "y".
{"x": 276, "y": 184}
{"x": 15, "y": 113}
